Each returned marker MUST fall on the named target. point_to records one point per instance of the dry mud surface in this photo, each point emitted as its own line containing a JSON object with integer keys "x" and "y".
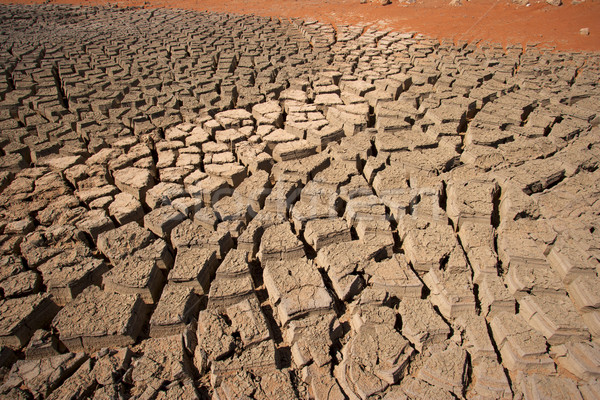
{"x": 205, "y": 205}
{"x": 535, "y": 22}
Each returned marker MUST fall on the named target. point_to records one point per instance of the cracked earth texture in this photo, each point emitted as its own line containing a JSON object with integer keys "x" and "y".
{"x": 212, "y": 205}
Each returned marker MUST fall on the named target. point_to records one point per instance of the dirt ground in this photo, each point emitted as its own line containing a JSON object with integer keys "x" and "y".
{"x": 496, "y": 21}
{"x": 201, "y": 205}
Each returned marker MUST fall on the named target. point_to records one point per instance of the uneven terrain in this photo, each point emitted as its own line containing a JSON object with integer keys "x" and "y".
{"x": 508, "y": 22}
{"x": 211, "y": 205}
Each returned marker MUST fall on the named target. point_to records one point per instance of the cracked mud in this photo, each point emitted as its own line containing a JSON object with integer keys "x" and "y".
{"x": 205, "y": 205}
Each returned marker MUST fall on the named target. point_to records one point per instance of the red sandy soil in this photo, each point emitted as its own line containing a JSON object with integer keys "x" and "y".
{"x": 494, "y": 21}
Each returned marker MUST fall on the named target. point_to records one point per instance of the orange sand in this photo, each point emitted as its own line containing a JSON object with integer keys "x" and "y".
{"x": 495, "y": 21}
